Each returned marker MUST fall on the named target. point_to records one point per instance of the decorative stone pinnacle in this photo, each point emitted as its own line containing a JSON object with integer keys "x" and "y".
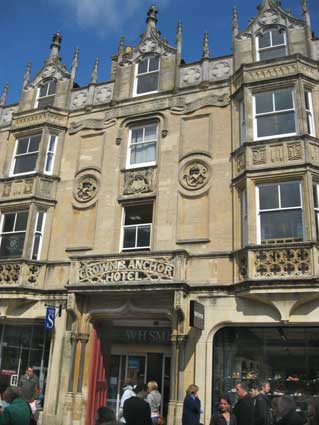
{"x": 27, "y": 74}
{"x": 205, "y": 54}
{"x": 3, "y": 98}
{"x": 75, "y": 58}
{"x": 55, "y": 45}
{"x": 95, "y": 71}
{"x": 151, "y": 19}
{"x": 304, "y": 5}
{"x": 235, "y": 19}
{"x": 121, "y": 46}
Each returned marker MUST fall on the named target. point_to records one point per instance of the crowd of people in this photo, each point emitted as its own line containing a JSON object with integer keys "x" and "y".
{"x": 253, "y": 407}
{"x": 139, "y": 405}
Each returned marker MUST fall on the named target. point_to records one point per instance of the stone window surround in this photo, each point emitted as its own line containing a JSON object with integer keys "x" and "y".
{"x": 136, "y": 75}
{"x": 130, "y": 204}
{"x": 44, "y": 145}
{"x": 271, "y": 47}
{"x": 38, "y": 98}
{"x": 136, "y": 125}
{"x": 28, "y": 244}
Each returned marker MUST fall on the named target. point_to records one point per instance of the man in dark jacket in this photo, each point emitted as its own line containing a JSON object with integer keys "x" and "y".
{"x": 244, "y": 407}
{"x": 136, "y": 411}
{"x": 18, "y": 412}
{"x": 261, "y": 412}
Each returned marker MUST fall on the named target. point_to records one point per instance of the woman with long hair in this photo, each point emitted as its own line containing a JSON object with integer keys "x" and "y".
{"x": 191, "y": 406}
{"x": 224, "y": 415}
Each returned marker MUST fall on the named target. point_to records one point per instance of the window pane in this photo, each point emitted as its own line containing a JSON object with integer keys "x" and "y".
{"x": 52, "y": 143}
{"x": 154, "y": 63}
{"x": 264, "y": 40}
{"x": 307, "y": 103}
{"x": 40, "y": 221}
{"x": 150, "y": 133}
{"x": 48, "y": 164}
{"x": 264, "y": 102}
{"x": 144, "y": 236}
{"x": 137, "y": 135}
{"x": 272, "y": 53}
{"x": 145, "y": 152}
{"x": 147, "y": 83}
{"x": 142, "y": 66}
{"x": 138, "y": 214}
{"x": 21, "y": 221}
{"x": 129, "y": 237}
{"x": 52, "y": 87}
{"x": 315, "y": 195}
{"x": 282, "y": 123}
{"x": 22, "y": 145}
{"x": 36, "y": 245}
{"x": 34, "y": 143}
{"x": 268, "y": 197}
{"x": 290, "y": 195}
{"x": 8, "y": 224}
{"x": 46, "y": 101}
{"x": 278, "y": 37}
{"x": 44, "y": 90}
{"x": 12, "y": 245}
{"x": 283, "y": 99}
{"x": 25, "y": 164}
{"x": 281, "y": 225}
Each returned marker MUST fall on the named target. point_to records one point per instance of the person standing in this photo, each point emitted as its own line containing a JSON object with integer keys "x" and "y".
{"x": 244, "y": 407}
{"x": 29, "y": 384}
{"x": 260, "y": 413}
{"x": 284, "y": 410}
{"x": 105, "y": 416}
{"x": 137, "y": 411}
{"x": 191, "y": 406}
{"x": 128, "y": 392}
{"x": 224, "y": 416}
{"x": 18, "y": 412}
{"x": 154, "y": 399}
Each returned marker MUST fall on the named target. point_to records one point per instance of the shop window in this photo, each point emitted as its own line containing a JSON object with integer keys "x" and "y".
{"x": 309, "y": 113}
{"x": 13, "y": 230}
{"x": 49, "y": 162}
{"x": 26, "y": 155}
{"x": 137, "y": 227}
{"x": 38, "y": 236}
{"x": 46, "y": 94}
{"x": 280, "y": 212}
{"x": 274, "y": 114}
{"x": 147, "y": 75}
{"x": 142, "y": 145}
{"x": 271, "y": 44}
{"x": 286, "y": 357}
{"x": 316, "y": 206}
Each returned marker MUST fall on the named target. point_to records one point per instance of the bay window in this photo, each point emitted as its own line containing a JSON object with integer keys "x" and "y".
{"x": 271, "y": 44}
{"x": 147, "y": 75}
{"x": 137, "y": 227}
{"x": 142, "y": 145}
{"x": 26, "y": 155}
{"x": 46, "y": 94}
{"x": 280, "y": 213}
{"x": 13, "y": 231}
{"x": 274, "y": 113}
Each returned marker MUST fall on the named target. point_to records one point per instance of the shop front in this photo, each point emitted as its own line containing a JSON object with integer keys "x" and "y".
{"x": 285, "y": 356}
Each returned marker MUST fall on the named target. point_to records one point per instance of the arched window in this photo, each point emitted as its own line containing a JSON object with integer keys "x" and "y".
{"x": 46, "y": 94}
{"x": 271, "y": 44}
{"x": 147, "y": 75}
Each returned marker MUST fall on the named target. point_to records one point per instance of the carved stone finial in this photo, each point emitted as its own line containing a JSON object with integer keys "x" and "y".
{"x": 235, "y": 20}
{"x": 205, "y": 53}
{"x": 55, "y": 46}
{"x": 3, "y": 98}
{"x": 27, "y": 74}
{"x": 179, "y": 29}
{"x": 95, "y": 71}
{"x": 121, "y": 49}
{"x": 151, "y": 19}
{"x": 75, "y": 58}
{"x": 304, "y": 5}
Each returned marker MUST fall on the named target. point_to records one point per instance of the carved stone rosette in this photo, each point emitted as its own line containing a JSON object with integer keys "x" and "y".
{"x": 86, "y": 188}
{"x": 138, "y": 181}
{"x": 194, "y": 174}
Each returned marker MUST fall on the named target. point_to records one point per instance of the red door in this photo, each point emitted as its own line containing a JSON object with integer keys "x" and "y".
{"x": 97, "y": 382}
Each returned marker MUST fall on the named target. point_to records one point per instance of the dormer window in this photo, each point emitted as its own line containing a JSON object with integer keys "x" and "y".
{"x": 147, "y": 75}
{"x": 271, "y": 44}
{"x": 46, "y": 94}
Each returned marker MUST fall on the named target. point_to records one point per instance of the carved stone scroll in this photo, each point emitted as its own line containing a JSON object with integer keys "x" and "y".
{"x": 181, "y": 107}
{"x": 91, "y": 124}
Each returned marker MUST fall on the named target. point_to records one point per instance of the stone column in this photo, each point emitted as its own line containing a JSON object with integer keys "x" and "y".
{"x": 84, "y": 339}
{"x": 74, "y": 339}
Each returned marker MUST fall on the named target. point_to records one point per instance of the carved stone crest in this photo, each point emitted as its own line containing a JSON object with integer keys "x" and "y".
{"x": 192, "y": 76}
{"x": 79, "y": 99}
{"x": 220, "y": 70}
{"x": 195, "y": 175}
{"x": 103, "y": 94}
{"x": 269, "y": 17}
{"x": 86, "y": 189}
{"x": 138, "y": 181}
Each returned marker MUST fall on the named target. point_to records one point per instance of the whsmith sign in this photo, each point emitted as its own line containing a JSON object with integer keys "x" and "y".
{"x": 126, "y": 270}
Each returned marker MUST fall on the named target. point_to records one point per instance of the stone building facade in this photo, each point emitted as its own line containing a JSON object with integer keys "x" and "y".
{"x": 123, "y": 201}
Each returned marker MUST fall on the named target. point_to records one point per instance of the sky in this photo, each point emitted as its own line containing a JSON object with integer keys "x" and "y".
{"x": 95, "y": 26}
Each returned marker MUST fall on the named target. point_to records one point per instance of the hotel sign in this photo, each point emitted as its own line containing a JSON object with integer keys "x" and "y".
{"x": 127, "y": 270}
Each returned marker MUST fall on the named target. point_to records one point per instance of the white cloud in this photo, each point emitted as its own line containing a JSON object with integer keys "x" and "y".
{"x": 106, "y": 15}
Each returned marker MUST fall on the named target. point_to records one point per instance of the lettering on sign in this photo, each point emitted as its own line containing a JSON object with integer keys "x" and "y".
{"x": 126, "y": 270}
{"x": 141, "y": 335}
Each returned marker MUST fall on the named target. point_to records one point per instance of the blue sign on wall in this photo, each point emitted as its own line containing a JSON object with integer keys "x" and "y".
{"x": 49, "y": 318}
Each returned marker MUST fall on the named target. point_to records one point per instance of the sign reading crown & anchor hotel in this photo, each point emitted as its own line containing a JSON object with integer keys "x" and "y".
{"x": 126, "y": 270}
